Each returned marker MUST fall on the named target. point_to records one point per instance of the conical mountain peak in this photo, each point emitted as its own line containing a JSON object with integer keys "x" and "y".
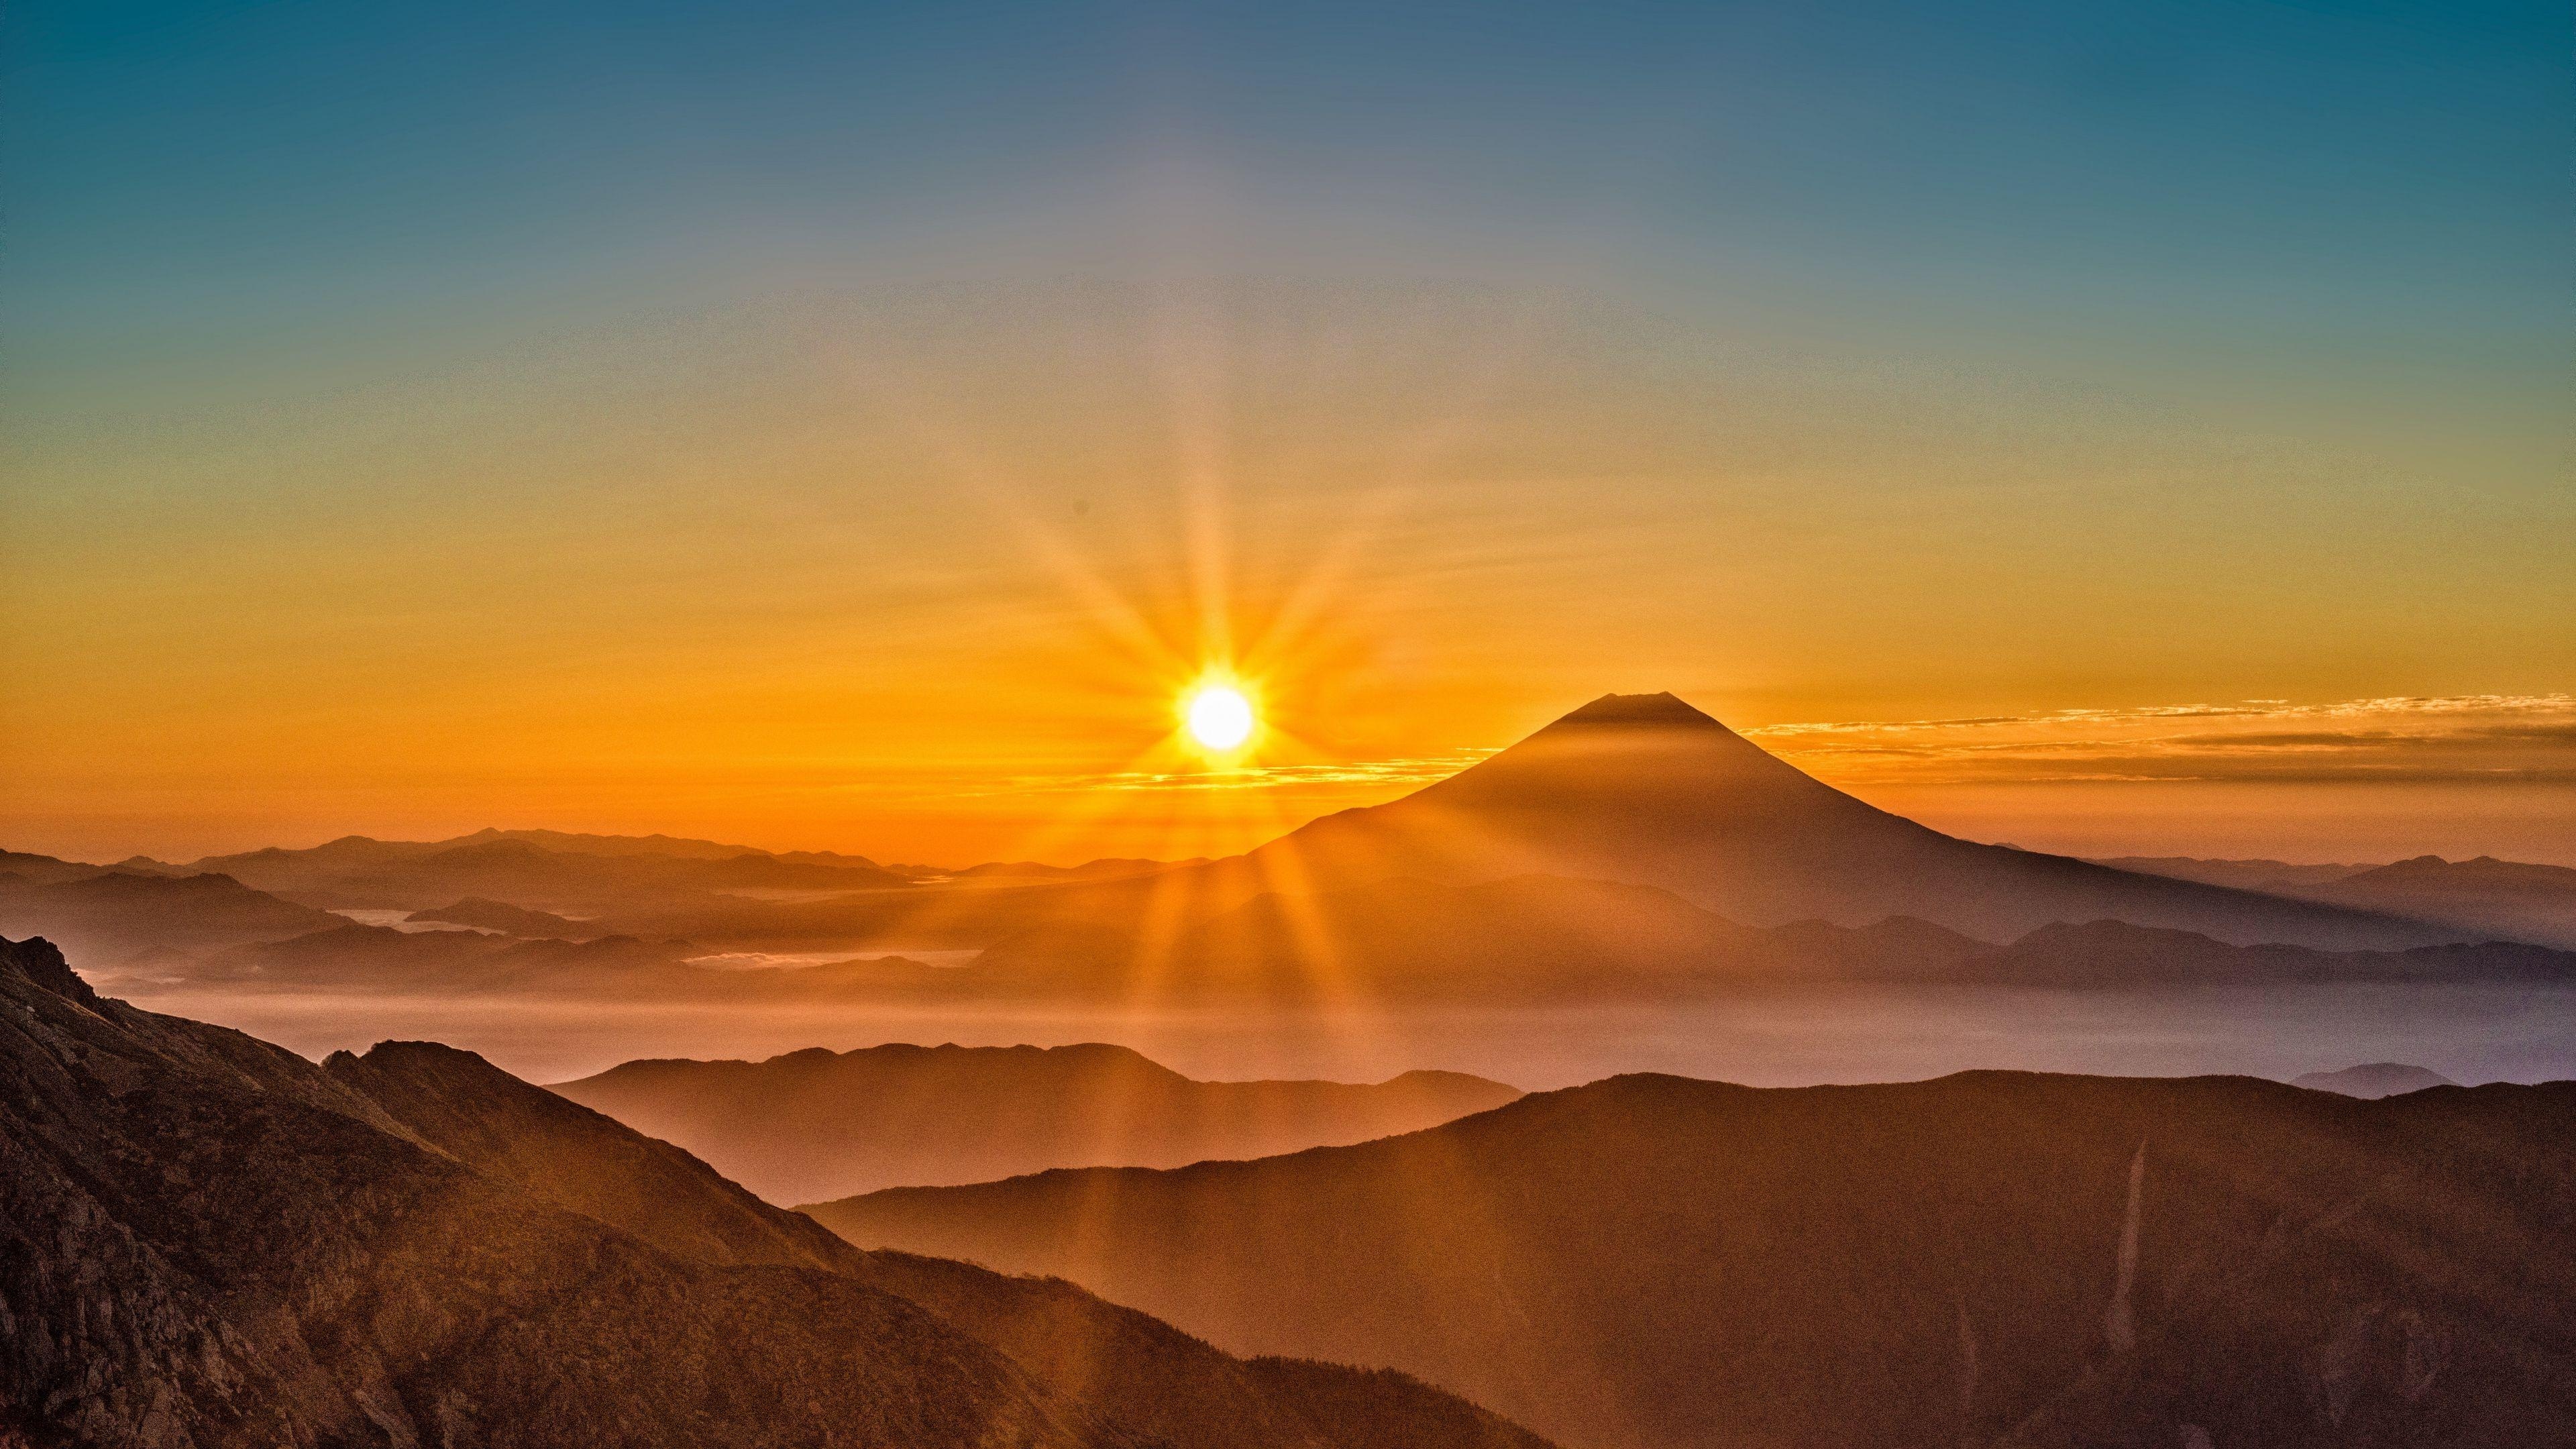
{"x": 1639, "y": 709}
{"x": 1644, "y": 789}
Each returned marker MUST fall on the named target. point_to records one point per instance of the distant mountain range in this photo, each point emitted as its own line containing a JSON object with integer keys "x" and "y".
{"x": 542, "y": 872}
{"x": 817, "y": 1123}
{"x": 2510, "y": 899}
{"x": 1546, "y": 938}
{"x": 1986, "y": 1259}
{"x": 1634, "y": 847}
{"x": 1526, "y": 941}
{"x": 114, "y": 915}
{"x": 206, "y": 1240}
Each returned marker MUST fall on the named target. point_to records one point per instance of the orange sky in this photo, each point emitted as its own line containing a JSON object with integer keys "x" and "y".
{"x": 846, "y": 426}
{"x": 928, "y": 593}
{"x": 914, "y": 568}
{"x": 921, "y": 580}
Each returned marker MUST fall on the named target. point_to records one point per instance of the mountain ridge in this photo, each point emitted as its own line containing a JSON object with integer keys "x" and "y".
{"x": 801, "y": 1125}
{"x": 1653, "y": 1262}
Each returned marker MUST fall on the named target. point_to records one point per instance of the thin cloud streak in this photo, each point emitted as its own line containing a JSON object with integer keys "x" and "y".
{"x": 2454, "y": 739}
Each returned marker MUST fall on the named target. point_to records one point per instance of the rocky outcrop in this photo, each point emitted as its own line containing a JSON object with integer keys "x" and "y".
{"x": 42, "y": 964}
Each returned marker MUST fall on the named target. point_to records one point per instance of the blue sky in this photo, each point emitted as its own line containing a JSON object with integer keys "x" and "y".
{"x": 2371, "y": 171}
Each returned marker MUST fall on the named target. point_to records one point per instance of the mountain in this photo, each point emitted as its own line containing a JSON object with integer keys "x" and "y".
{"x": 2374, "y": 1080}
{"x": 44, "y": 869}
{"x": 2512, "y": 899}
{"x": 1991, "y": 1258}
{"x": 1527, "y": 934}
{"x": 2487, "y": 897}
{"x": 501, "y": 916}
{"x": 376, "y": 959}
{"x": 677, "y": 847}
{"x": 816, "y": 1123}
{"x": 210, "y": 1241}
{"x": 1646, "y": 790}
{"x": 535, "y": 869}
{"x": 1542, "y": 940}
{"x": 113, "y": 916}
{"x": 1531, "y": 941}
{"x": 1142, "y": 1377}
{"x": 2115, "y": 954}
{"x": 1523, "y": 940}
{"x": 2273, "y": 877}
{"x": 1634, "y": 847}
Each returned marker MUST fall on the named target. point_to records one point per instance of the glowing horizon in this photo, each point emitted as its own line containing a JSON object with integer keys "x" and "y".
{"x": 778, "y": 467}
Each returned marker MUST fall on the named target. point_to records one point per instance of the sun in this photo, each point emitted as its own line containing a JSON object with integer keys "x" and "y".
{"x": 1218, "y": 716}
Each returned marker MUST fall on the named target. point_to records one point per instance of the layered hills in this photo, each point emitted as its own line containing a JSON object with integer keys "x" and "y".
{"x": 1992, "y": 1258}
{"x": 1512, "y": 942}
{"x": 115, "y": 915}
{"x": 816, "y": 1123}
{"x": 205, "y": 1240}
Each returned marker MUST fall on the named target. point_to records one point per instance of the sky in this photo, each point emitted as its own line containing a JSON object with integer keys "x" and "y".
{"x": 2118, "y": 428}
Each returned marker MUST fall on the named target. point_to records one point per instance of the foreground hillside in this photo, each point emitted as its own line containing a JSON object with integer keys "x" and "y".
{"x": 205, "y": 1240}
{"x": 1652, "y": 1262}
{"x": 818, "y": 1123}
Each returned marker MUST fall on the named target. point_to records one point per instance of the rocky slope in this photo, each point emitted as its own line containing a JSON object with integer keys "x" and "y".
{"x": 205, "y": 1240}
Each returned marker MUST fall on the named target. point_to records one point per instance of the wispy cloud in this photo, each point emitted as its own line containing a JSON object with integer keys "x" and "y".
{"x": 2452, "y": 739}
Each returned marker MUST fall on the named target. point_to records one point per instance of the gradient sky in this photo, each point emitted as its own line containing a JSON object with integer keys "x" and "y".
{"x": 846, "y": 426}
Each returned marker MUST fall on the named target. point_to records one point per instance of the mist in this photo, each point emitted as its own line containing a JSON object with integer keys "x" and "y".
{"x": 2470, "y": 1033}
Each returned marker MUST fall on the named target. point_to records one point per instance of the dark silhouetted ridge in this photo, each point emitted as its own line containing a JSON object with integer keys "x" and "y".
{"x": 1650, "y": 1262}
{"x": 37, "y": 960}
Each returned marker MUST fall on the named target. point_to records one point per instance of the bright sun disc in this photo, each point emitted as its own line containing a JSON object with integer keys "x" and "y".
{"x": 1220, "y": 718}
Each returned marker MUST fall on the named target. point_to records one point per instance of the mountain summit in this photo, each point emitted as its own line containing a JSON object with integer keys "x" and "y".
{"x": 1663, "y": 708}
{"x": 1647, "y": 790}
